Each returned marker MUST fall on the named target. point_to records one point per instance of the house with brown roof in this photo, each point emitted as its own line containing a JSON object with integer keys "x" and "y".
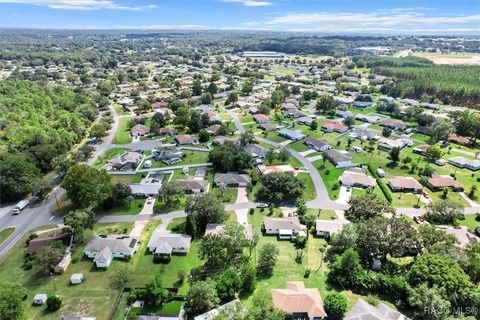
{"x": 393, "y": 124}
{"x": 299, "y": 302}
{"x": 357, "y": 178}
{"x": 36, "y": 244}
{"x": 267, "y": 127}
{"x": 362, "y": 310}
{"x": 213, "y": 129}
{"x": 404, "y": 184}
{"x": 328, "y": 227}
{"x": 285, "y": 228}
{"x": 221, "y": 140}
{"x": 186, "y": 139}
{"x": 389, "y": 144}
{"x": 139, "y": 130}
{"x": 192, "y": 186}
{"x": 333, "y": 127}
{"x": 317, "y": 145}
{"x": 167, "y": 131}
{"x": 440, "y": 182}
{"x": 261, "y": 118}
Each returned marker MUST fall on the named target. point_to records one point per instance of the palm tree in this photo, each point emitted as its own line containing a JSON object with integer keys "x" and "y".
{"x": 322, "y": 250}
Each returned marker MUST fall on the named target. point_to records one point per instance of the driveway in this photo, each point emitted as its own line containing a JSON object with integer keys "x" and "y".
{"x": 344, "y": 195}
{"x": 140, "y": 225}
{"x": 242, "y": 214}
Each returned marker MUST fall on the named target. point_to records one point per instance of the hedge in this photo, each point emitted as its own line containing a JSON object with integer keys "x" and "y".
{"x": 383, "y": 186}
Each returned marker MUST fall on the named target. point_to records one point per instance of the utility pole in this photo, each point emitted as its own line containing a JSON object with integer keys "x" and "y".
{"x": 53, "y": 280}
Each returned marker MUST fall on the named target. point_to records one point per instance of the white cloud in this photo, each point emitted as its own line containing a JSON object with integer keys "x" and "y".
{"x": 387, "y": 19}
{"x": 162, "y": 27}
{"x": 81, "y": 4}
{"x": 251, "y": 3}
{"x": 251, "y": 23}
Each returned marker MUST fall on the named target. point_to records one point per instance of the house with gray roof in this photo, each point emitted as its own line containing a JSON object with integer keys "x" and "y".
{"x": 256, "y": 151}
{"x": 341, "y": 159}
{"x": 463, "y": 162}
{"x": 291, "y": 134}
{"x": 168, "y": 156}
{"x": 103, "y": 249}
{"x": 363, "y": 310}
{"x": 126, "y": 161}
{"x": 192, "y": 186}
{"x": 166, "y": 243}
{"x": 231, "y": 180}
{"x": 285, "y": 228}
{"x": 317, "y": 145}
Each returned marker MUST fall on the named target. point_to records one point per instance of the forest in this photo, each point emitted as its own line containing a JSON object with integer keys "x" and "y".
{"x": 38, "y": 124}
{"x": 421, "y": 79}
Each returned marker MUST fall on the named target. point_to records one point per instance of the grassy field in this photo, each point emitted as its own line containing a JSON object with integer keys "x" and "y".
{"x": 5, "y": 233}
{"x": 124, "y": 209}
{"x": 470, "y": 222}
{"x": 283, "y": 71}
{"x": 191, "y": 157}
{"x": 310, "y": 193}
{"x": 226, "y": 195}
{"x": 88, "y": 298}
{"x": 122, "y": 136}
{"x": 330, "y": 176}
{"x": 107, "y": 155}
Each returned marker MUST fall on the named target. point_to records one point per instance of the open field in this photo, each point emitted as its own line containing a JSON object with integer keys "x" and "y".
{"x": 122, "y": 136}
{"x": 450, "y": 58}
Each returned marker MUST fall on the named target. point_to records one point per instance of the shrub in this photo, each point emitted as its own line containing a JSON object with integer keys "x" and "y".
{"x": 28, "y": 265}
{"x": 306, "y": 274}
{"x": 335, "y": 305}
{"x": 75, "y": 260}
{"x": 383, "y": 186}
{"x": 160, "y": 258}
{"x": 54, "y": 303}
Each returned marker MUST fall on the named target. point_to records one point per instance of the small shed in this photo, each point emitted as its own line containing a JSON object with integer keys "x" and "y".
{"x": 76, "y": 278}
{"x": 40, "y": 298}
{"x": 147, "y": 164}
{"x": 381, "y": 173}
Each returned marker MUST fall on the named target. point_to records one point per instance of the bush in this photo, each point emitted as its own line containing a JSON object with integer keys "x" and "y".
{"x": 28, "y": 265}
{"x": 383, "y": 186}
{"x": 477, "y": 217}
{"x": 54, "y": 303}
{"x": 75, "y": 260}
{"x": 306, "y": 274}
{"x": 161, "y": 258}
{"x": 335, "y": 305}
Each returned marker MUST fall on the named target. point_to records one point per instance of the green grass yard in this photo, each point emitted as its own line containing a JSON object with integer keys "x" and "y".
{"x": 330, "y": 176}
{"x": 107, "y": 155}
{"x": 470, "y": 222}
{"x": 5, "y": 233}
{"x": 124, "y": 209}
{"x": 122, "y": 136}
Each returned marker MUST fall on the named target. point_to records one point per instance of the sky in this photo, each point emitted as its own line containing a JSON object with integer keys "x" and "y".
{"x": 322, "y": 16}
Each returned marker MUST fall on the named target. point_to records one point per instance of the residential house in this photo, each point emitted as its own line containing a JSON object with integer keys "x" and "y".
{"x": 357, "y": 178}
{"x": 363, "y": 310}
{"x": 126, "y": 161}
{"x": 341, "y": 159}
{"x": 404, "y": 184}
{"x": 221, "y": 140}
{"x": 363, "y": 134}
{"x": 344, "y": 114}
{"x": 367, "y": 118}
{"x": 253, "y": 110}
{"x": 305, "y": 121}
{"x": 102, "y": 249}
{"x": 219, "y": 229}
{"x": 36, "y": 244}
{"x": 262, "y": 169}
{"x": 212, "y": 314}
{"x": 168, "y": 156}
{"x": 393, "y": 124}
{"x": 139, "y": 130}
{"x": 213, "y": 129}
{"x": 439, "y": 182}
{"x": 463, "y": 162}
{"x": 167, "y": 131}
{"x": 159, "y": 105}
{"x": 422, "y": 149}
{"x": 76, "y": 318}
{"x": 294, "y": 113}
{"x": 255, "y": 151}
{"x": 212, "y": 116}
{"x": 299, "y": 302}
{"x": 166, "y": 243}
{"x": 146, "y": 189}
{"x": 267, "y": 127}
{"x": 430, "y": 106}
{"x": 192, "y": 186}
{"x": 285, "y": 228}
{"x": 333, "y": 127}
{"x": 261, "y": 118}
{"x": 317, "y": 145}
{"x": 231, "y": 180}
{"x": 326, "y": 228}
{"x": 186, "y": 139}
{"x": 388, "y": 144}
{"x": 362, "y": 104}
{"x": 294, "y": 135}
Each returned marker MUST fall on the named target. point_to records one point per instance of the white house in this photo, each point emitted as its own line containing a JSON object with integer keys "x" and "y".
{"x": 102, "y": 249}
{"x": 328, "y": 227}
{"x": 165, "y": 243}
{"x": 285, "y": 228}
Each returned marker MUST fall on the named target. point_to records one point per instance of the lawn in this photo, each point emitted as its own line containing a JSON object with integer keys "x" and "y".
{"x": 123, "y": 209}
{"x": 330, "y": 176}
{"x": 88, "y": 298}
{"x": 122, "y": 136}
{"x": 226, "y": 195}
{"x": 5, "y": 233}
{"x": 470, "y": 222}
{"x": 323, "y": 214}
{"x": 299, "y": 146}
{"x": 310, "y": 193}
{"x": 284, "y": 71}
{"x": 107, "y": 155}
{"x": 190, "y": 157}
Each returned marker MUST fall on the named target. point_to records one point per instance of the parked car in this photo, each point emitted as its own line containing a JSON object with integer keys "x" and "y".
{"x": 262, "y": 205}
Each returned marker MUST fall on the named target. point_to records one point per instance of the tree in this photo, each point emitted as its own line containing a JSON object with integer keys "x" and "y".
{"x": 278, "y": 187}
{"x": 159, "y": 120}
{"x": 365, "y": 207}
{"x": 395, "y": 155}
{"x": 227, "y": 284}
{"x": 434, "y": 152}
{"x": 197, "y": 88}
{"x": 386, "y": 132}
{"x": 335, "y": 305}
{"x": 326, "y": 103}
{"x": 54, "y": 302}
{"x": 201, "y": 297}
{"x": 441, "y": 129}
{"x": 170, "y": 193}
{"x": 47, "y": 258}
{"x": 206, "y": 209}
{"x": 349, "y": 121}
{"x": 347, "y": 270}
{"x": 17, "y": 176}
{"x": 229, "y": 157}
{"x": 232, "y": 97}
{"x": 443, "y": 212}
{"x": 182, "y": 117}
{"x": 87, "y": 186}
{"x": 247, "y": 138}
{"x": 314, "y": 125}
{"x": 267, "y": 259}
{"x": 247, "y": 86}
{"x": 212, "y": 249}
{"x": 434, "y": 270}
{"x": 429, "y": 301}
{"x": 248, "y": 279}
{"x": 212, "y": 88}
{"x": 263, "y": 308}
{"x": 473, "y": 191}
{"x": 277, "y": 98}
{"x": 12, "y": 306}
{"x": 120, "y": 277}
{"x": 203, "y": 136}
{"x": 206, "y": 98}
{"x": 283, "y": 155}
{"x": 98, "y": 131}
{"x": 121, "y": 193}
{"x": 77, "y": 222}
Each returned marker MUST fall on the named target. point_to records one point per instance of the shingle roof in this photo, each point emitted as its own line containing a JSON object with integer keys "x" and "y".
{"x": 231, "y": 178}
{"x": 124, "y": 244}
{"x": 298, "y": 299}
{"x": 282, "y": 223}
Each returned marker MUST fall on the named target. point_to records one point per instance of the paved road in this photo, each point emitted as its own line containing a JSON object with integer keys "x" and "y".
{"x": 107, "y": 142}
{"x": 322, "y": 200}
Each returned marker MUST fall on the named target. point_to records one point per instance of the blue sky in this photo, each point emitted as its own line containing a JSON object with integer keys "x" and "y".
{"x": 337, "y": 16}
